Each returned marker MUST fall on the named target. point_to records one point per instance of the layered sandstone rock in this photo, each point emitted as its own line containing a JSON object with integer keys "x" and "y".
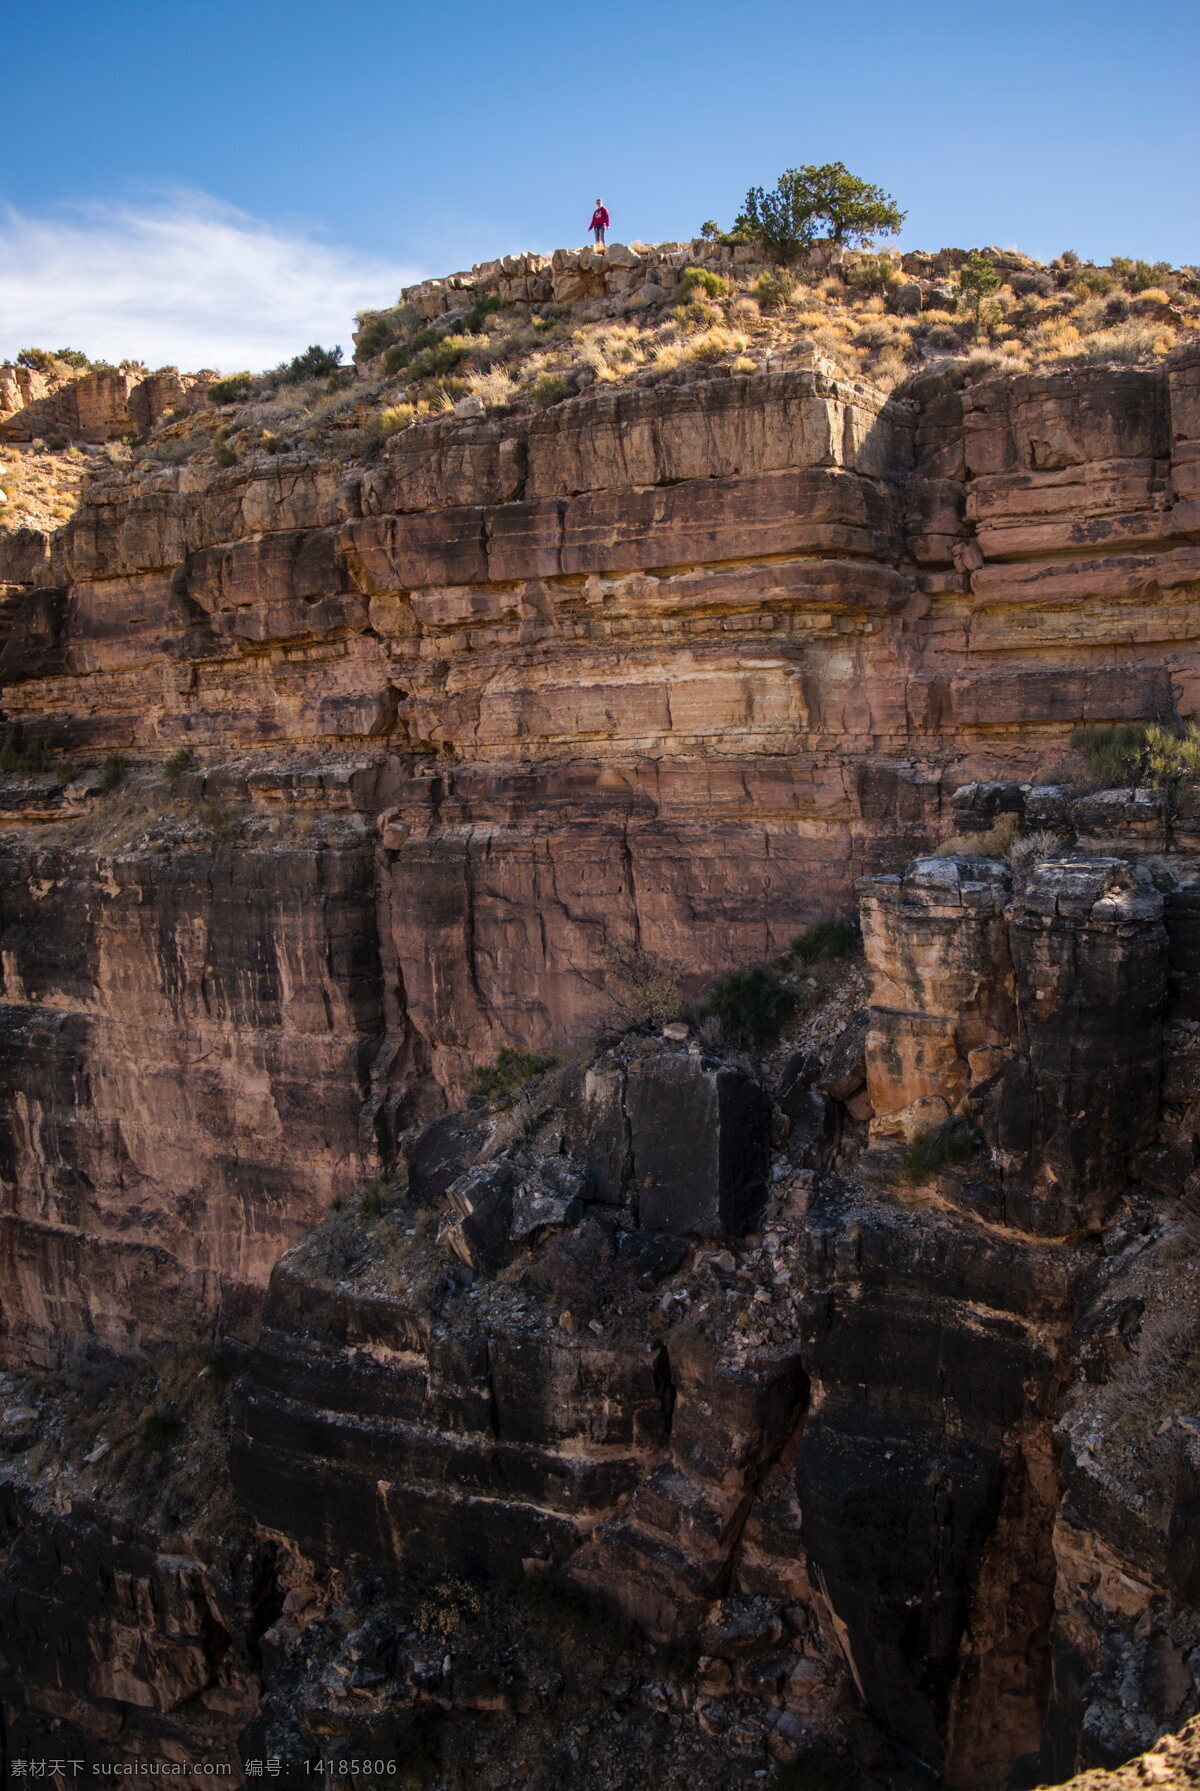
{"x": 663, "y": 671}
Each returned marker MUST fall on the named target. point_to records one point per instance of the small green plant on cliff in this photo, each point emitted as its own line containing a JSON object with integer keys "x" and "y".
{"x": 977, "y": 280}
{"x": 752, "y": 1006}
{"x": 550, "y": 388}
{"x": 181, "y": 760}
{"x": 441, "y": 357}
{"x": 498, "y": 1084}
{"x": 388, "y": 422}
{"x": 27, "y": 760}
{"x": 217, "y": 820}
{"x": 1141, "y": 276}
{"x": 485, "y": 306}
{"x": 232, "y": 389}
{"x": 824, "y": 942}
{"x": 384, "y": 328}
{"x": 644, "y": 989}
{"x": 994, "y": 842}
{"x": 774, "y": 291}
{"x": 112, "y": 774}
{"x": 315, "y": 363}
{"x": 1136, "y": 753}
{"x": 938, "y": 1147}
{"x": 160, "y": 1430}
{"x": 701, "y": 279}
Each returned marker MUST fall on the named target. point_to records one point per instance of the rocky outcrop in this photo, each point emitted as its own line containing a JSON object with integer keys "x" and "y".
{"x": 100, "y": 405}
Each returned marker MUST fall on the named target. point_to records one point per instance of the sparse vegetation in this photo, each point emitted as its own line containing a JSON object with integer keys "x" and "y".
{"x": 181, "y": 760}
{"x": 549, "y": 388}
{"x": 112, "y": 773}
{"x": 701, "y": 279}
{"x": 315, "y": 363}
{"x": 644, "y": 990}
{"x": 1139, "y": 753}
{"x": 232, "y": 389}
{"x": 773, "y": 291}
{"x": 941, "y": 1147}
{"x": 218, "y": 821}
{"x": 752, "y": 1006}
{"x": 824, "y": 942}
{"x": 501, "y": 1082}
{"x": 160, "y": 1430}
{"x": 994, "y": 842}
{"x": 389, "y": 421}
{"x": 27, "y": 760}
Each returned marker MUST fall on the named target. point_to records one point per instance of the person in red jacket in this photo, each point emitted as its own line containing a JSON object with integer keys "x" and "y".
{"x": 599, "y": 223}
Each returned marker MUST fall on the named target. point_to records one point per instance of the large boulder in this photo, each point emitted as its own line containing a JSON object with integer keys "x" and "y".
{"x": 700, "y": 1137}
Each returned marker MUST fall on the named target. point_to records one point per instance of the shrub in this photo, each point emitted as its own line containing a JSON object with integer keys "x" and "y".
{"x": 443, "y": 355}
{"x": 977, "y": 280}
{"x": 484, "y": 307}
{"x": 224, "y": 454}
{"x": 72, "y": 357}
{"x": 873, "y": 274}
{"x": 495, "y": 388}
{"x": 714, "y": 345}
{"x": 219, "y": 822}
{"x": 26, "y": 760}
{"x": 645, "y": 990}
{"x": 314, "y": 363}
{"x": 501, "y": 1082}
{"x": 372, "y": 1199}
{"x": 1140, "y": 276}
{"x": 113, "y": 772}
{"x": 940, "y": 1147}
{"x": 231, "y": 390}
{"x": 995, "y": 842}
{"x": 404, "y": 353}
{"x": 38, "y": 360}
{"x": 1125, "y": 345}
{"x": 1092, "y": 282}
{"x": 160, "y": 1430}
{"x": 751, "y": 1005}
{"x": 383, "y": 329}
{"x": 824, "y": 941}
{"x": 702, "y": 279}
{"x": 181, "y": 760}
{"x": 1114, "y": 755}
{"x": 773, "y": 291}
{"x": 1032, "y": 849}
{"x": 550, "y": 388}
{"x": 389, "y": 422}
{"x": 698, "y": 315}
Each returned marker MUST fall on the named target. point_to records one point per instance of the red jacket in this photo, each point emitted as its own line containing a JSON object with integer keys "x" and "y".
{"x": 599, "y": 218}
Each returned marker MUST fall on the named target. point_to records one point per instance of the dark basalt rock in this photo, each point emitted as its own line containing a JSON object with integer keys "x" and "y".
{"x": 701, "y": 1143}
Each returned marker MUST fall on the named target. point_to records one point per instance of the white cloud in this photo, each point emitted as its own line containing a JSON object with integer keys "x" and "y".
{"x": 185, "y": 281}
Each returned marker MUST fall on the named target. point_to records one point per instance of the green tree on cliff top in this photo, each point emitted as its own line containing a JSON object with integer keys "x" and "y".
{"x": 785, "y": 220}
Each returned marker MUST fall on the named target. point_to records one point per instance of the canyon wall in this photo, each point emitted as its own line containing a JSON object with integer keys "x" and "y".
{"x": 664, "y": 671}
{"x": 664, "y": 667}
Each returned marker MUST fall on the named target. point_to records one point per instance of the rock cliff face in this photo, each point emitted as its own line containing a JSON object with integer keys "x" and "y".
{"x": 664, "y": 672}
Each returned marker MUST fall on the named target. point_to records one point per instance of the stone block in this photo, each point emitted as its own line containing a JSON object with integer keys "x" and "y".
{"x": 700, "y": 1137}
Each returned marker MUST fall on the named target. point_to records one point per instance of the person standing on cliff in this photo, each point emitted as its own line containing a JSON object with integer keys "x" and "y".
{"x": 599, "y": 223}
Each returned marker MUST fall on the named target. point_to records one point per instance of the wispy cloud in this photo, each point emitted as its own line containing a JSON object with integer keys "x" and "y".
{"x": 184, "y": 280}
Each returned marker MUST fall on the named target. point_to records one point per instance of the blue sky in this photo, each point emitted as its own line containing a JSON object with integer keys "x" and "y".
{"x": 228, "y": 178}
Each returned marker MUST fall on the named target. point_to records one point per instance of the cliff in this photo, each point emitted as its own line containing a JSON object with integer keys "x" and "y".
{"x": 452, "y": 748}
